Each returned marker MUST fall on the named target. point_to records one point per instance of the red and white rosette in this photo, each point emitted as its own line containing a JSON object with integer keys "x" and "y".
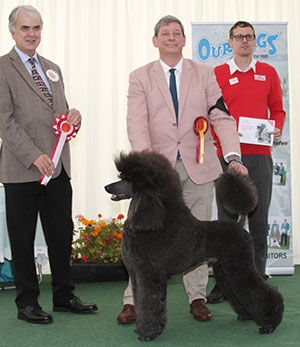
{"x": 65, "y": 132}
{"x": 200, "y": 128}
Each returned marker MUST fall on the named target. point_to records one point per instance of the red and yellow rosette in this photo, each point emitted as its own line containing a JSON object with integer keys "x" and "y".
{"x": 200, "y": 128}
{"x": 65, "y": 132}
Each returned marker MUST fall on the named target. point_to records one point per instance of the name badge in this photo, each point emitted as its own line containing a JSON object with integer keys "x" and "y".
{"x": 233, "y": 81}
{"x": 260, "y": 77}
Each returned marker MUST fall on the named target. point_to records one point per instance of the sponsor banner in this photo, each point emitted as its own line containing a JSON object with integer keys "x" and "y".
{"x": 210, "y": 46}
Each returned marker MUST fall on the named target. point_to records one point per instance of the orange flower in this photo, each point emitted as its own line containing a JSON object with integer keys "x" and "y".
{"x": 102, "y": 223}
{"x": 97, "y": 229}
{"x": 104, "y": 243}
{"x": 120, "y": 216}
{"x": 84, "y": 221}
{"x": 84, "y": 257}
{"x": 118, "y": 236}
{"x": 91, "y": 222}
{"x": 99, "y": 215}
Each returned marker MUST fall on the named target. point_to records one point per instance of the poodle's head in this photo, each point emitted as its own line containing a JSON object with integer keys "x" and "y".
{"x": 148, "y": 172}
{"x": 149, "y": 179}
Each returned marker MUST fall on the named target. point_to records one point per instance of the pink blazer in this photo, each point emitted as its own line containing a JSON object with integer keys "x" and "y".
{"x": 151, "y": 120}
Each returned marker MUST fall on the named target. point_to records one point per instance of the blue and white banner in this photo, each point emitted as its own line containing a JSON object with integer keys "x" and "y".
{"x": 210, "y": 46}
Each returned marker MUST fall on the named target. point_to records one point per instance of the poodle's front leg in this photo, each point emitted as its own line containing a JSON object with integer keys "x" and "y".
{"x": 150, "y": 306}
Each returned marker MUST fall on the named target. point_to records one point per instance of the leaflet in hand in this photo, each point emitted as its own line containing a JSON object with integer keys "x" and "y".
{"x": 256, "y": 131}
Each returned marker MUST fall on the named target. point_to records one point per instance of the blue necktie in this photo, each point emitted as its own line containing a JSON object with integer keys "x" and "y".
{"x": 173, "y": 91}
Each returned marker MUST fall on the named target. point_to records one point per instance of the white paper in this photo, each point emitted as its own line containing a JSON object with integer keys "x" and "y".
{"x": 256, "y": 131}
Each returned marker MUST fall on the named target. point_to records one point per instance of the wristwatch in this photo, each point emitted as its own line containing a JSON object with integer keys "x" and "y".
{"x": 232, "y": 158}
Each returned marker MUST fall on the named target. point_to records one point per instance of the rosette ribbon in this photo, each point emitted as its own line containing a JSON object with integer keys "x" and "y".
{"x": 65, "y": 132}
{"x": 200, "y": 128}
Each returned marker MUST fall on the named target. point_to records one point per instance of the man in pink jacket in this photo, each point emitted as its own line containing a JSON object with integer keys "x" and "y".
{"x": 165, "y": 97}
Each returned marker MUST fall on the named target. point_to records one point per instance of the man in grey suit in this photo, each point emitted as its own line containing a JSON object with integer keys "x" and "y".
{"x": 31, "y": 96}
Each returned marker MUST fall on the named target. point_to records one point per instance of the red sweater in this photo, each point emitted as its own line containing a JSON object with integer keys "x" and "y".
{"x": 253, "y": 95}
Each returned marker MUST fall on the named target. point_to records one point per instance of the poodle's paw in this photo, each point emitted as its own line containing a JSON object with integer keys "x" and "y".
{"x": 266, "y": 330}
{"x": 149, "y": 336}
{"x": 145, "y": 338}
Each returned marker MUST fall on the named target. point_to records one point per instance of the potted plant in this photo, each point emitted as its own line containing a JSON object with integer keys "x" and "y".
{"x": 96, "y": 250}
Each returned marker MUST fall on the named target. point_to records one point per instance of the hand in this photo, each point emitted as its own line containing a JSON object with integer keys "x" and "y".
{"x": 276, "y": 134}
{"x": 238, "y": 168}
{"x": 74, "y": 117}
{"x": 45, "y": 165}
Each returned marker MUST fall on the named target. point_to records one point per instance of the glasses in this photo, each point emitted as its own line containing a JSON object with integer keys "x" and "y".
{"x": 241, "y": 37}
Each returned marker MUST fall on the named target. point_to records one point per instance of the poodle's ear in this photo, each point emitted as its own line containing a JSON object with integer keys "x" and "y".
{"x": 146, "y": 213}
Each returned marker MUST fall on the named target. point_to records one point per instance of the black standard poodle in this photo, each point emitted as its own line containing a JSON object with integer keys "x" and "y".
{"x": 162, "y": 238}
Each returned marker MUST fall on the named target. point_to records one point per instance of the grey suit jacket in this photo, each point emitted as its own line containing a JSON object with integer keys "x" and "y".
{"x": 26, "y": 119}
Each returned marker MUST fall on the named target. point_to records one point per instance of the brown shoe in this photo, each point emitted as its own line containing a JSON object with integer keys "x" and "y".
{"x": 199, "y": 310}
{"x": 127, "y": 316}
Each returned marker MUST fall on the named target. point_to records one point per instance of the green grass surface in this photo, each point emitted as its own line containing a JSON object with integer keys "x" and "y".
{"x": 101, "y": 329}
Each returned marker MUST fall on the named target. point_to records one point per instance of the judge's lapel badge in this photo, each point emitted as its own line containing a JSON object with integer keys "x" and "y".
{"x": 52, "y": 75}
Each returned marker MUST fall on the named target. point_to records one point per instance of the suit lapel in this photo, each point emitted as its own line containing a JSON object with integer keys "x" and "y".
{"x": 160, "y": 78}
{"x": 20, "y": 67}
{"x": 185, "y": 81}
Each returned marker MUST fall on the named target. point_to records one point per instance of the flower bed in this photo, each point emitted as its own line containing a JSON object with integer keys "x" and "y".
{"x": 97, "y": 241}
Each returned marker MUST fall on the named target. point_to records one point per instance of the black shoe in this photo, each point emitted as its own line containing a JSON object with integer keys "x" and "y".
{"x": 35, "y": 315}
{"x": 75, "y": 305}
{"x": 215, "y": 296}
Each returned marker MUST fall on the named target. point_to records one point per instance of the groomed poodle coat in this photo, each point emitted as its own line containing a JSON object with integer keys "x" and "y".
{"x": 162, "y": 238}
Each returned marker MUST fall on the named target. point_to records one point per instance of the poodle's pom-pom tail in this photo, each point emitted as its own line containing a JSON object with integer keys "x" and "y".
{"x": 237, "y": 193}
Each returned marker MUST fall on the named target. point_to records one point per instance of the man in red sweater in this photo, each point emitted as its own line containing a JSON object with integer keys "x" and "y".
{"x": 251, "y": 89}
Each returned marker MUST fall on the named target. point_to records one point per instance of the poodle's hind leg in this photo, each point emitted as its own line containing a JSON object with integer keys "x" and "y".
{"x": 227, "y": 291}
{"x": 250, "y": 296}
{"x": 268, "y": 309}
{"x": 150, "y": 306}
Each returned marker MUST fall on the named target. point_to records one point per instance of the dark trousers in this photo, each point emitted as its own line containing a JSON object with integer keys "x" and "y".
{"x": 260, "y": 168}
{"x": 54, "y": 203}
{"x": 283, "y": 241}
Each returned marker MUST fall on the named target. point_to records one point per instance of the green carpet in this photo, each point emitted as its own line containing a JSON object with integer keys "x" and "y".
{"x": 100, "y": 328}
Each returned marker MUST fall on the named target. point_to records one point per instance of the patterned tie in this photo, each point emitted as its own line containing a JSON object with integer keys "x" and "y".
{"x": 173, "y": 91}
{"x": 40, "y": 83}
